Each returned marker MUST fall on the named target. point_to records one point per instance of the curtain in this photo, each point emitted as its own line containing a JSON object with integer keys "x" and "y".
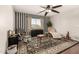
{"x": 46, "y": 19}
{"x": 21, "y": 22}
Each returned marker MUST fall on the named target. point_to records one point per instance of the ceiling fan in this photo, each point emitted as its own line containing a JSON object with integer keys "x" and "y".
{"x": 49, "y": 8}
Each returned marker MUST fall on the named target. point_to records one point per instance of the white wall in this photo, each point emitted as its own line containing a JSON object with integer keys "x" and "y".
{"x": 6, "y": 23}
{"x": 67, "y": 21}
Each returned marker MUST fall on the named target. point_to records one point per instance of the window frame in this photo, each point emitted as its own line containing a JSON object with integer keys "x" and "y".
{"x": 37, "y": 22}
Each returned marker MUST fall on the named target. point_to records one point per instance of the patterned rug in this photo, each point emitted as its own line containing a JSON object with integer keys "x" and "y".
{"x": 57, "y": 47}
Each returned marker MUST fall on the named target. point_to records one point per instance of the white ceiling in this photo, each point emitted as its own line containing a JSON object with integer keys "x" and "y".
{"x": 34, "y": 9}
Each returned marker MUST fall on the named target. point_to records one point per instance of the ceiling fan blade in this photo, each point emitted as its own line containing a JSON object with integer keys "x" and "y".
{"x": 57, "y": 6}
{"x": 43, "y": 7}
{"x": 41, "y": 11}
{"x": 55, "y": 11}
{"x": 46, "y": 13}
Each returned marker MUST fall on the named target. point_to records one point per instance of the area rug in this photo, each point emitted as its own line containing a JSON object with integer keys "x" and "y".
{"x": 58, "y": 48}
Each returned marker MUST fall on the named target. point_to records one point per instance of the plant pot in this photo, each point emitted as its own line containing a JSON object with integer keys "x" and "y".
{"x": 50, "y": 29}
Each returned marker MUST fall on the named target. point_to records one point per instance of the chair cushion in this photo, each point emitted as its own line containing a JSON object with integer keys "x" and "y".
{"x": 12, "y": 49}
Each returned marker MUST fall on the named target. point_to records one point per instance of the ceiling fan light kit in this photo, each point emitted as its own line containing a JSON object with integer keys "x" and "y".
{"x": 48, "y": 11}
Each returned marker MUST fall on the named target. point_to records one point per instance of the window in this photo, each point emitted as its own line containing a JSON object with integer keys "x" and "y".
{"x": 36, "y": 23}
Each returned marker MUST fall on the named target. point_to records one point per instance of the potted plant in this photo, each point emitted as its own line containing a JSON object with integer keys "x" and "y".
{"x": 49, "y": 25}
